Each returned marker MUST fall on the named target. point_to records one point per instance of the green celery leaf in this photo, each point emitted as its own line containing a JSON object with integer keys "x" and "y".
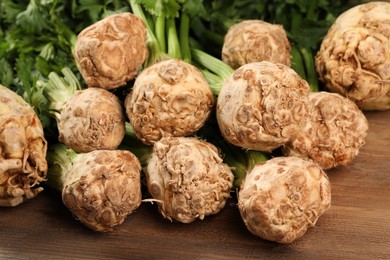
{"x": 42, "y": 66}
{"x": 93, "y": 8}
{"x": 33, "y": 19}
{"x": 24, "y": 67}
{"x": 4, "y": 46}
{"x": 6, "y": 73}
{"x": 168, "y": 8}
{"x": 194, "y": 8}
{"x": 9, "y": 11}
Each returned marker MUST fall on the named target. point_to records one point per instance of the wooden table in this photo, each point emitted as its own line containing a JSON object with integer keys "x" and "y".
{"x": 357, "y": 226}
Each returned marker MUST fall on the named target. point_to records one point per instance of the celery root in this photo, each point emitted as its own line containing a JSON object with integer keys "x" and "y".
{"x": 255, "y": 40}
{"x": 335, "y": 131}
{"x": 101, "y": 188}
{"x": 188, "y": 179}
{"x": 23, "y": 149}
{"x": 354, "y": 58}
{"x": 169, "y": 98}
{"x": 283, "y": 197}
{"x": 111, "y": 51}
{"x": 87, "y": 119}
{"x": 262, "y": 106}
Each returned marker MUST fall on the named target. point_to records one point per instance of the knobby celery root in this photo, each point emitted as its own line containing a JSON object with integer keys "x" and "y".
{"x": 169, "y": 98}
{"x": 255, "y": 40}
{"x": 111, "y": 51}
{"x": 23, "y": 149}
{"x": 87, "y": 119}
{"x": 262, "y": 106}
{"x": 101, "y": 188}
{"x": 188, "y": 178}
{"x": 92, "y": 119}
{"x": 281, "y": 198}
{"x": 354, "y": 57}
{"x": 335, "y": 131}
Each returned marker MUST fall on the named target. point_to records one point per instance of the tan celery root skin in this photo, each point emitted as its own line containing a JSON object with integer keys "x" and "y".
{"x": 110, "y": 52}
{"x": 354, "y": 58}
{"x": 23, "y": 150}
{"x": 92, "y": 119}
{"x": 102, "y": 188}
{"x": 281, "y": 198}
{"x": 255, "y": 40}
{"x": 169, "y": 98}
{"x": 262, "y": 106}
{"x": 335, "y": 131}
{"x": 188, "y": 178}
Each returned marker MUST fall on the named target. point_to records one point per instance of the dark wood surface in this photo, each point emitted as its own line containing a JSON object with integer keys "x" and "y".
{"x": 357, "y": 226}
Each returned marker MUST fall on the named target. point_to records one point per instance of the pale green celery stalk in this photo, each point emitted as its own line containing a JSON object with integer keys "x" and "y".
{"x": 155, "y": 53}
{"x": 58, "y": 90}
{"x": 211, "y": 77}
{"x": 160, "y": 33}
{"x": 131, "y": 143}
{"x": 184, "y": 39}
{"x": 214, "y": 81}
{"x": 254, "y": 158}
{"x": 59, "y": 159}
{"x": 214, "y": 65}
{"x": 173, "y": 40}
{"x": 239, "y": 169}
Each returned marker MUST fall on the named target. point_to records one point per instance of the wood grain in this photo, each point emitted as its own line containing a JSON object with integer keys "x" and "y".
{"x": 357, "y": 226}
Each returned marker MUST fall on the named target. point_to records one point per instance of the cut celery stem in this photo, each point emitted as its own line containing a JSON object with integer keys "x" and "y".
{"x": 59, "y": 159}
{"x": 57, "y": 90}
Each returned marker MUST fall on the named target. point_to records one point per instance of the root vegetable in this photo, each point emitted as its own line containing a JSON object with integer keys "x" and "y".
{"x": 262, "y": 106}
{"x": 23, "y": 148}
{"x": 335, "y": 131}
{"x": 169, "y": 98}
{"x": 92, "y": 119}
{"x": 354, "y": 58}
{"x": 87, "y": 119}
{"x": 111, "y": 52}
{"x": 255, "y": 40}
{"x": 281, "y": 198}
{"x": 188, "y": 178}
{"x": 101, "y": 188}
